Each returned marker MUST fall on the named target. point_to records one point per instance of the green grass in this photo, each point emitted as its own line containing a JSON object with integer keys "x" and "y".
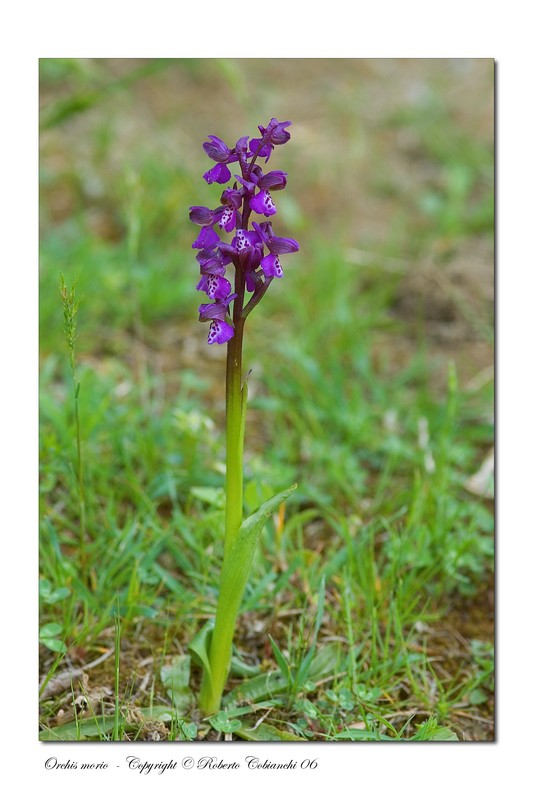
{"x": 353, "y": 622}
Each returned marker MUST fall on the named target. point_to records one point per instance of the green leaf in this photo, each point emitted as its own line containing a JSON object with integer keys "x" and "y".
{"x": 50, "y": 595}
{"x": 346, "y": 699}
{"x": 443, "y": 734}
{"x": 266, "y": 732}
{"x": 54, "y": 644}
{"x": 274, "y": 682}
{"x": 280, "y": 658}
{"x": 477, "y": 697}
{"x": 238, "y": 559}
{"x": 325, "y": 661}
{"x": 159, "y": 713}
{"x": 96, "y": 727}
{"x": 188, "y": 730}
{"x": 48, "y": 637}
{"x": 430, "y": 730}
{"x": 211, "y": 496}
{"x": 175, "y": 677}
{"x": 306, "y": 707}
{"x": 237, "y": 565}
{"x": 262, "y": 687}
{"x": 241, "y": 669}
{"x": 50, "y": 630}
{"x": 199, "y": 646}
{"x": 222, "y": 723}
{"x": 361, "y": 735}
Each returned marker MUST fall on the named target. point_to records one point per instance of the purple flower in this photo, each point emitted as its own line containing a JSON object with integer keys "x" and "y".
{"x": 277, "y": 245}
{"x": 245, "y": 240}
{"x": 206, "y": 238}
{"x": 218, "y": 174}
{"x": 218, "y": 151}
{"x": 254, "y": 249}
{"x": 271, "y": 266}
{"x": 273, "y": 181}
{"x": 200, "y": 215}
{"x": 277, "y": 132}
{"x": 274, "y": 133}
{"x": 215, "y": 286}
{"x": 261, "y": 148}
{"x": 230, "y": 216}
{"x": 249, "y": 250}
{"x": 262, "y": 203}
{"x": 213, "y": 262}
{"x": 220, "y": 330}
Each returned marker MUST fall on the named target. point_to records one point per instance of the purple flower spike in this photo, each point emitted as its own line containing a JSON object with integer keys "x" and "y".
{"x": 254, "y": 250}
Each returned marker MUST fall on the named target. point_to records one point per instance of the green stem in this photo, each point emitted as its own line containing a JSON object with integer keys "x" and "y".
{"x": 226, "y": 616}
{"x": 234, "y": 437}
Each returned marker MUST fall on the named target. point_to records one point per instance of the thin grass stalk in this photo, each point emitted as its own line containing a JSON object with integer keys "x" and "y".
{"x": 116, "y": 724}
{"x": 70, "y": 312}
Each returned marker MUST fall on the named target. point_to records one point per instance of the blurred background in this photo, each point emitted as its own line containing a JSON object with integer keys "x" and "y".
{"x": 391, "y": 167}
{"x": 372, "y": 360}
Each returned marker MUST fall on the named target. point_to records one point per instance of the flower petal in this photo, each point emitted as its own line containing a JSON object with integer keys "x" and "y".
{"x": 277, "y": 132}
{"x": 260, "y": 148}
{"x": 248, "y": 184}
{"x": 215, "y": 310}
{"x": 200, "y": 215}
{"x": 251, "y": 280}
{"x": 207, "y": 238}
{"x": 279, "y": 245}
{"x": 219, "y": 332}
{"x": 244, "y": 239}
{"x": 274, "y": 181}
{"x": 217, "y": 149}
{"x": 271, "y": 266}
{"x": 211, "y": 310}
{"x": 218, "y": 174}
{"x": 228, "y": 220}
{"x": 211, "y": 254}
{"x": 215, "y": 286}
{"x": 262, "y": 203}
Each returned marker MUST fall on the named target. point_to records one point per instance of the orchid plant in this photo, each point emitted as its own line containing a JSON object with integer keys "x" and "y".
{"x": 254, "y": 252}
